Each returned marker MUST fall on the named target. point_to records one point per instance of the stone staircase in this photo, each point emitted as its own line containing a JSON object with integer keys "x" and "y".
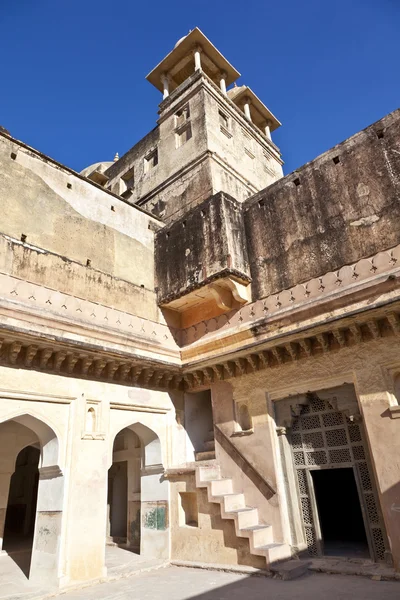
{"x": 208, "y": 452}
{"x": 246, "y": 518}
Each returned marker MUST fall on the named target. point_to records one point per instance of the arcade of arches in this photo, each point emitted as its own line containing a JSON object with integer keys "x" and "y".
{"x": 81, "y": 475}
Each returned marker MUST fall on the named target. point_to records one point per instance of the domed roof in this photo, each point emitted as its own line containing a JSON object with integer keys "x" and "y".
{"x": 179, "y": 41}
{"x": 102, "y": 164}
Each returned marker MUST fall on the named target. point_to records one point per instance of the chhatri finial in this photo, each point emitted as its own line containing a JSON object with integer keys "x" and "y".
{"x": 116, "y": 157}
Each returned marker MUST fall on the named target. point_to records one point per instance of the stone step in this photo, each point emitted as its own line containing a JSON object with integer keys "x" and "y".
{"x": 290, "y": 569}
{"x": 246, "y": 517}
{"x": 207, "y": 473}
{"x": 233, "y": 501}
{"x": 273, "y": 552}
{"x": 210, "y": 436}
{"x": 219, "y": 487}
{"x": 209, "y": 445}
{"x": 260, "y": 534}
{"x": 207, "y": 455}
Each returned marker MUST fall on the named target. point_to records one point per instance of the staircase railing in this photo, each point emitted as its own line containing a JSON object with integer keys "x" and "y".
{"x": 244, "y": 464}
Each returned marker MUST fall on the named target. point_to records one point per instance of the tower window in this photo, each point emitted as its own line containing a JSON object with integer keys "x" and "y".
{"x": 183, "y": 135}
{"x": 224, "y": 123}
{"x": 129, "y": 177}
{"x": 182, "y": 116}
{"x": 151, "y": 161}
{"x": 223, "y": 119}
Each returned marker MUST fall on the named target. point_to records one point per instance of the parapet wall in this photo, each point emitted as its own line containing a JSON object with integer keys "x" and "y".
{"x": 206, "y": 243}
{"x": 333, "y": 211}
{"x": 62, "y": 231}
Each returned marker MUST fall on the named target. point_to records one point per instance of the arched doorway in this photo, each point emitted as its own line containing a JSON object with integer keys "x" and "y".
{"x": 330, "y": 483}
{"x": 31, "y": 496}
{"x": 137, "y": 499}
{"x": 22, "y": 500}
{"x": 123, "y": 498}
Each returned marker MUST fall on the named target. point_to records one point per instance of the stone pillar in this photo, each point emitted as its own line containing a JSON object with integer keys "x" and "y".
{"x": 289, "y": 478}
{"x": 155, "y": 530}
{"x": 246, "y": 109}
{"x": 4, "y": 490}
{"x": 197, "y": 58}
{"x": 384, "y": 442}
{"x": 46, "y": 541}
{"x": 222, "y": 82}
{"x": 86, "y": 526}
{"x": 267, "y": 129}
{"x": 165, "y": 82}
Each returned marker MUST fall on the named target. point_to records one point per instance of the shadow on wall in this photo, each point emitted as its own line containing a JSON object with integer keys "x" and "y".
{"x": 391, "y": 501}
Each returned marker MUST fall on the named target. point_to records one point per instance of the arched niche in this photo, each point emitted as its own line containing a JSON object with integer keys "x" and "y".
{"x": 16, "y": 433}
{"x": 147, "y": 492}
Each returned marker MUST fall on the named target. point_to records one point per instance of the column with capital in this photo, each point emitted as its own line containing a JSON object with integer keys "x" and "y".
{"x": 197, "y": 58}
{"x": 165, "y": 82}
{"x": 246, "y": 108}
{"x": 222, "y": 82}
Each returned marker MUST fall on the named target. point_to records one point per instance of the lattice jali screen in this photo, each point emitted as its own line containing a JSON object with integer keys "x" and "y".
{"x": 322, "y": 437}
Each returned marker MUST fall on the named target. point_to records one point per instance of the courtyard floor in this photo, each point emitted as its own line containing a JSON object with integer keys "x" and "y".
{"x": 177, "y": 583}
{"x": 133, "y": 577}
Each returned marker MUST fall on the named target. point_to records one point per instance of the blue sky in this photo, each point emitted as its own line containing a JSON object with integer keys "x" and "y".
{"x": 73, "y": 72}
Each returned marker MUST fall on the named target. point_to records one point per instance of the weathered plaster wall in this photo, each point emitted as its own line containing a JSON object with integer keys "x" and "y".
{"x": 257, "y": 448}
{"x": 238, "y": 161}
{"x": 207, "y": 242}
{"x": 84, "y": 457}
{"x": 371, "y": 367}
{"x": 340, "y": 207}
{"x": 244, "y": 160}
{"x": 182, "y": 176}
{"x": 67, "y": 222}
{"x": 213, "y": 540}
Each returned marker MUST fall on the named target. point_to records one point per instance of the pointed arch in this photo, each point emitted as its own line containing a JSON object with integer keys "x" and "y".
{"x": 46, "y": 435}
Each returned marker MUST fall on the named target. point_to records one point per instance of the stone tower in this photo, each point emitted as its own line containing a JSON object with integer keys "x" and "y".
{"x": 208, "y": 139}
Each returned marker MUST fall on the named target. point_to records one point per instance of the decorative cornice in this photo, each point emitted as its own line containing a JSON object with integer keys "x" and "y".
{"x": 304, "y": 345}
{"x": 355, "y": 305}
{"x": 333, "y": 285}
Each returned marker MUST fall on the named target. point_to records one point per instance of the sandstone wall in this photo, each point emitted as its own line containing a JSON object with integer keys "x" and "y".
{"x": 339, "y": 208}
{"x": 63, "y": 232}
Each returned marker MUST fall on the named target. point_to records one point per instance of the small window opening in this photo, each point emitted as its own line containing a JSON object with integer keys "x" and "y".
{"x": 183, "y": 223}
{"x": 88, "y": 262}
{"x": 23, "y": 237}
{"x": 69, "y": 186}
{"x": 183, "y": 135}
{"x": 188, "y": 510}
{"x": 91, "y": 419}
{"x": 336, "y": 160}
{"x": 296, "y": 182}
{"x": 129, "y": 178}
{"x": 151, "y": 161}
{"x": 261, "y": 203}
{"x": 182, "y": 116}
{"x": 113, "y": 208}
{"x": 13, "y": 155}
{"x": 223, "y": 119}
{"x": 380, "y": 134}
